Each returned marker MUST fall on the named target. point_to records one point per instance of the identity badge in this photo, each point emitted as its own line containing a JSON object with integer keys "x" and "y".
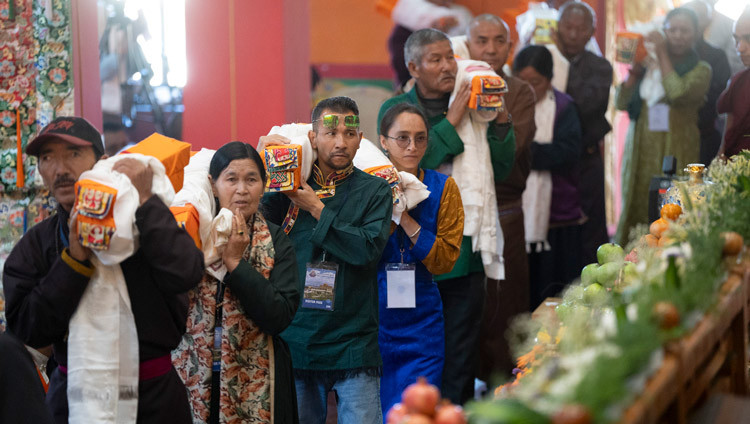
{"x": 400, "y": 285}
{"x": 320, "y": 285}
{"x": 658, "y": 118}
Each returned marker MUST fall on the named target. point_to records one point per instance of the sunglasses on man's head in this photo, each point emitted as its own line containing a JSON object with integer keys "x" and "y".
{"x": 332, "y": 121}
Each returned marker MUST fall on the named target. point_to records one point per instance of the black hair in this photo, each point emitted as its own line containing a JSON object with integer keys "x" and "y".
{"x": 395, "y": 111}
{"x": 339, "y": 104}
{"x": 233, "y": 151}
{"x": 538, "y": 57}
{"x": 683, "y": 11}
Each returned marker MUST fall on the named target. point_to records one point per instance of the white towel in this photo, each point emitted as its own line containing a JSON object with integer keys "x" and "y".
{"x": 196, "y": 190}
{"x": 411, "y": 193}
{"x": 103, "y": 361}
{"x": 472, "y": 171}
{"x": 537, "y": 198}
{"x": 419, "y": 14}
{"x": 561, "y": 68}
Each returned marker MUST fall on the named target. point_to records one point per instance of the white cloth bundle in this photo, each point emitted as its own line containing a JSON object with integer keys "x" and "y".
{"x": 196, "y": 190}
{"x": 103, "y": 361}
{"x": 537, "y": 198}
{"x": 473, "y": 173}
{"x": 419, "y": 14}
{"x": 368, "y": 155}
{"x": 219, "y": 230}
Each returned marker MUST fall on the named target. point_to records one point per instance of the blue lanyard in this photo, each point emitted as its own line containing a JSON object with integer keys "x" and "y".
{"x": 63, "y": 237}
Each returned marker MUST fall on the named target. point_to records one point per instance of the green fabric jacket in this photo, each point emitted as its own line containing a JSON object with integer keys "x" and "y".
{"x": 271, "y": 304}
{"x": 443, "y": 146}
{"x": 353, "y": 229}
{"x": 645, "y": 149}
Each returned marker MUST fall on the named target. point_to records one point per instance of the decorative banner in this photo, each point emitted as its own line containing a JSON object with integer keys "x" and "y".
{"x": 36, "y": 85}
{"x": 35, "y": 76}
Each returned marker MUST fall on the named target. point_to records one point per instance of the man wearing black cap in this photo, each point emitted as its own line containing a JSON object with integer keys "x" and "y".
{"x": 48, "y": 271}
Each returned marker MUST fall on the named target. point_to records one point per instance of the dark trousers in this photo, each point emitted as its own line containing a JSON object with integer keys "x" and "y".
{"x": 550, "y": 271}
{"x": 591, "y": 189}
{"x": 463, "y": 301}
{"x": 161, "y": 399}
{"x": 504, "y": 300}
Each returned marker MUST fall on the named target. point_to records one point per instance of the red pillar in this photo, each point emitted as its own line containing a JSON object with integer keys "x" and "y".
{"x": 248, "y": 69}
{"x": 87, "y": 101}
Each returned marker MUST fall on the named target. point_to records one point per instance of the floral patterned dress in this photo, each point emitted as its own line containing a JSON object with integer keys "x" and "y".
{"x": 247, "y": 392}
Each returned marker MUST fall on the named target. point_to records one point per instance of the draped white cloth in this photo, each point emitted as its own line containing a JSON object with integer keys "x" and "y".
{"x": 473, "y": 173}
{"x": 103, "y": 361}
{"x": 537, "y": 197}
{"x": 368, "y": 156}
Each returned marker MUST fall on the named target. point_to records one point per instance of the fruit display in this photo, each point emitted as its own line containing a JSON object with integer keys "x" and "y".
{"x": 421, "y": 404}
{"x": 591, "y": 356}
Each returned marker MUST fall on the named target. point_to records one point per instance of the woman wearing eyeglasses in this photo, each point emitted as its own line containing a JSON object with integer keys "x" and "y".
{"x": 426, "y": 241}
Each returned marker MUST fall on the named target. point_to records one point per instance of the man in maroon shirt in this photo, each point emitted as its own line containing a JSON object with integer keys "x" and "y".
{"x": 733, "y": 101}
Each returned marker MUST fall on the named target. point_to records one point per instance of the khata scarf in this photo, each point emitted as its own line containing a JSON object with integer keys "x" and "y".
{"x": 247, "y": 364}
{"x": 327, "y": 189}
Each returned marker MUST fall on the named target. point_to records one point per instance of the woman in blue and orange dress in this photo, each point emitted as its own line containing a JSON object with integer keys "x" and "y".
{"x": 412, "y": 340}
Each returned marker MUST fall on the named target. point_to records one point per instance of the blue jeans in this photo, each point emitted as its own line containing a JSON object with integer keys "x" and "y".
{"x": 357, "y": 399}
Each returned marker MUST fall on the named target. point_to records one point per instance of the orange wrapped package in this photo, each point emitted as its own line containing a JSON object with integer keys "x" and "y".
{"x": 284, "y": 167}
{"x": 630, "y": 48}
{"x": 487, "y": 92}
{"x": 96, "y": 223}
{"x": 187, "y": 217}
{"x": 385, "y": 7}
{"x": 173, "y": 154}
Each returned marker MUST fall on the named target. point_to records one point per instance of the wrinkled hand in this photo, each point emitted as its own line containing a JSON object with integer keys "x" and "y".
{"x": 271, "y": 140}
{"x": 75, "y": 249}
{"x": 457, "y": 109}
{"x": 445, "y": 23}
{"x": 306, "y": 199}
{"x": 660, "y": 42}
{"x": 140, "y": 176}
{"x": 237, "y": 243}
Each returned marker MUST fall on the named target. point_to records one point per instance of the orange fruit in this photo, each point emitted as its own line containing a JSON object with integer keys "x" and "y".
{"x": 732, "y": 243}
{"x": 666, "y": 315}
{"x": 650, "y": 240}
{"x": 665, "y": 241}
{"x": 671, "y": 211}
{"x": 658, "y": 227}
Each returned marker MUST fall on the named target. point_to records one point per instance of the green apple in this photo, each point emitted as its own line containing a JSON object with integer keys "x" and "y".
{"x": 607, "y": 273}
{"x": 594, "y": 293}
{"x": 563, "y": 311}
{"x": 610, "y": 252}
{"x": 573, "y": 293}
{"x": 588, "y": 274}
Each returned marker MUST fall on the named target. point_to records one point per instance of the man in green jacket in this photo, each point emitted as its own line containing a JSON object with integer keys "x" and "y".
{"x": 339, "y": 222}
{"x": 429, "y": 57}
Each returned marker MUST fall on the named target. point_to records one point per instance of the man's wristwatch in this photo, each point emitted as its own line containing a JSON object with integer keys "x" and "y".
{"x": 507, "y": 123}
